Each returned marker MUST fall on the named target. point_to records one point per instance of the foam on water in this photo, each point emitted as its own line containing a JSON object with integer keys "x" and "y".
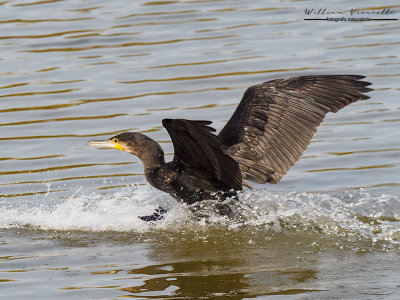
{"x": 352, "y": 214}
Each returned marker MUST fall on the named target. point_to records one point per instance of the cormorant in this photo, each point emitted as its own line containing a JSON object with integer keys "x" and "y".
{"x": 268, "y": 132}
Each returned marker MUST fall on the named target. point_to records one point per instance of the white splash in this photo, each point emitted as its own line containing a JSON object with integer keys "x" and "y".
{"x": 94, "y": 212}
{"x": 354, "y": 213}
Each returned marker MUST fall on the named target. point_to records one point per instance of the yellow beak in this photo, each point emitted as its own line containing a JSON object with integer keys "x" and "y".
{"x": 108, "y": 144}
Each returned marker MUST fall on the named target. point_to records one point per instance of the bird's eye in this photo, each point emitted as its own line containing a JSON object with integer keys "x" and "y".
{"x": 115, "y": 141}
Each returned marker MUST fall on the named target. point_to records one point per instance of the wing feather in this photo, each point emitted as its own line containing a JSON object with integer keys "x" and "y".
{"x": 198, "y": 151}
{"x": 276, "y": 120}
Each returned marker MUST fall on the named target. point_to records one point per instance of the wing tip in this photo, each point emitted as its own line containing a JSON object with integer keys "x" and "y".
{"x": 166, "y": 121}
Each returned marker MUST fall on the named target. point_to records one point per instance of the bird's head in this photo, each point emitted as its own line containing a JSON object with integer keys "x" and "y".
{"x": 135, "y": 143}
{"x": 126, "y": 141}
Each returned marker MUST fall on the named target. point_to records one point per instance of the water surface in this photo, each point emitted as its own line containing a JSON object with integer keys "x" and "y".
{"x": 72, "y": 71}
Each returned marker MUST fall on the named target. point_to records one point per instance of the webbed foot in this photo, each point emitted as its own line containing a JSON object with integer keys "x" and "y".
{"x": 157, "y": 215}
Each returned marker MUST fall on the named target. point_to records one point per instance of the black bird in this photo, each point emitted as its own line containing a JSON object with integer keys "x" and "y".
{"x": 268, "y": 132}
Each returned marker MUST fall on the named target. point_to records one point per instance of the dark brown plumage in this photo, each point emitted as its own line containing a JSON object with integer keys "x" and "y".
{"x": 268, "y": 132}
{"x": 276, "y": 120}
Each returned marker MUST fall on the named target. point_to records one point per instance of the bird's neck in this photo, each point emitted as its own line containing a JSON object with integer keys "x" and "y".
{"x": 151, "y": 155}
{"x": 151, "y": 162}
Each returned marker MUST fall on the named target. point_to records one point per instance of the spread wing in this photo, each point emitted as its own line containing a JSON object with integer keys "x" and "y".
{"x": 276, "y": 120}
{"x": 200, "y": 153}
